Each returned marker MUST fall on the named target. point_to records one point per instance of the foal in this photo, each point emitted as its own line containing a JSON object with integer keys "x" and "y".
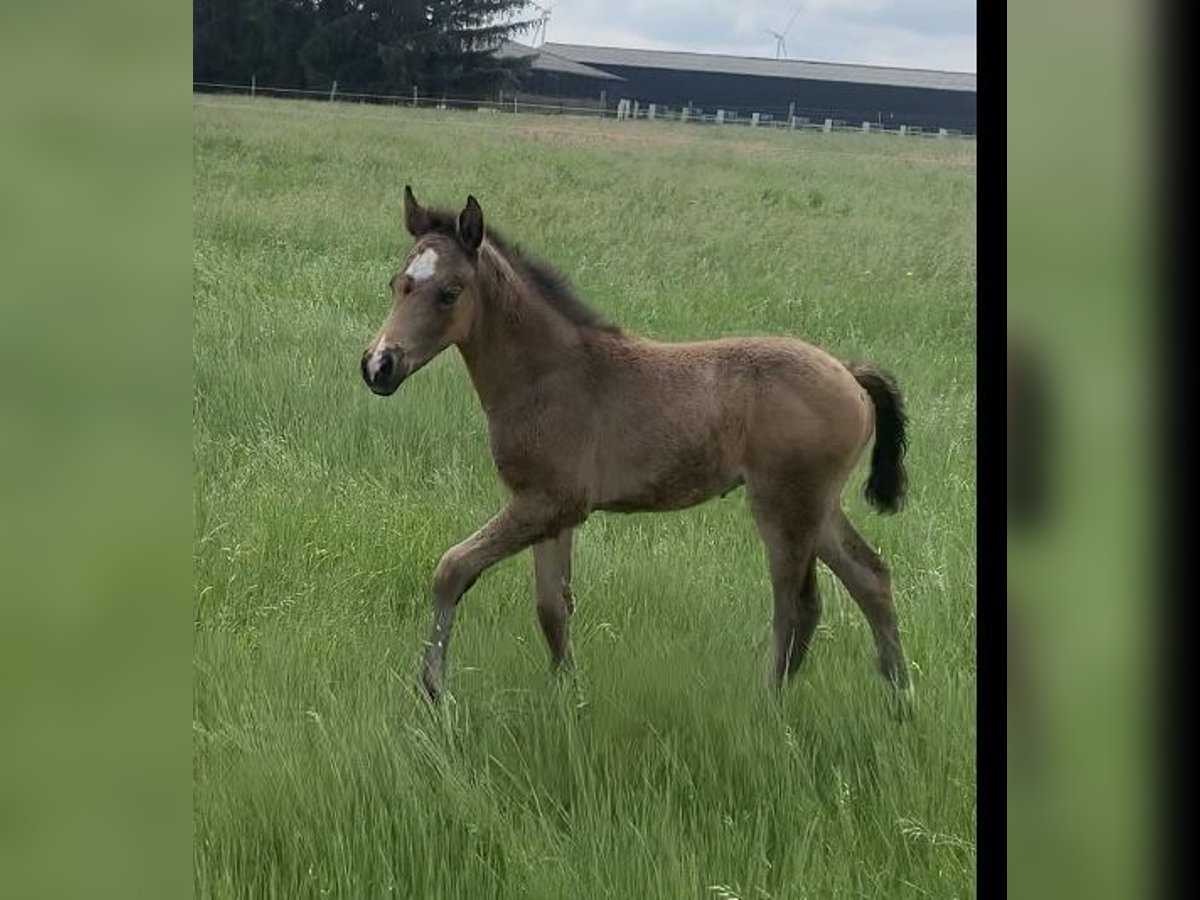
{"x": 584, "y": 417}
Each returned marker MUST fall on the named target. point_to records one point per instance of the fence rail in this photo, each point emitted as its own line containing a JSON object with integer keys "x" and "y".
{"x": 622, "y": 109}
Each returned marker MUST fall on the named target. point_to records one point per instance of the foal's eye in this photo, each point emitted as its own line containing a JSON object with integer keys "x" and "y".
{"x": 447, "y": 296}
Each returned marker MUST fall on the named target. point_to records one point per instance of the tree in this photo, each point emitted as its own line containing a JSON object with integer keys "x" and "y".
{"x": 235, "y": 39}
{"x": 369, "y": 46}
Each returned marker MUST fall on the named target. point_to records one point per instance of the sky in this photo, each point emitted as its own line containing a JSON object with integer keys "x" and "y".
{"x": 923, "y": 34}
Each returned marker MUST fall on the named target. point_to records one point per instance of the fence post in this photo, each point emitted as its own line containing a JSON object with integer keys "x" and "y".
{"x": 866, "y": 126}
{"x": 514, "y": 104}
{"x": 903, "y": 129}
{"x": 791, "y": 110}
{"x": 753, "y": 120}
{"x": 792, "y": 123}
{"x": 635, "y": 109}
{"x": 253, "y": 84}
{"x": 720, "y": 117}
{"x": 828, "y": 125}
{"x": 942, "y": 132}
{"x": 414, "y": 96}
{"x": 650, "y": 111}
{"x": 333, "y": 90}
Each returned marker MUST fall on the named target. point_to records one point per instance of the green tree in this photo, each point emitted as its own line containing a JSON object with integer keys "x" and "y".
{"x": 370, "y": 46}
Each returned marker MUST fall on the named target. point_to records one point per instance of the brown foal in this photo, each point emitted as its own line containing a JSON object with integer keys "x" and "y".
{"x": 582, "y": 417}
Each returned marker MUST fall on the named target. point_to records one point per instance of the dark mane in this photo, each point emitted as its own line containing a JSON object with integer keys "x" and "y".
{"x": 550, "y": 284}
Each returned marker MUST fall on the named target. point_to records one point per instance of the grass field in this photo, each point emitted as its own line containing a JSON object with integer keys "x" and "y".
{"x": 666, "y": 768}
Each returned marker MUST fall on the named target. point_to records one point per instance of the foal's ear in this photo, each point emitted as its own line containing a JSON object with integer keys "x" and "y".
{"x": 470, "y": 224}
{"x": 416, "y": 217}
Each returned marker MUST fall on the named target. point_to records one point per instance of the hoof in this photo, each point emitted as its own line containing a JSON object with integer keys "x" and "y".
{"x": 903, "y": 702}
{"x": 430, "y": 687}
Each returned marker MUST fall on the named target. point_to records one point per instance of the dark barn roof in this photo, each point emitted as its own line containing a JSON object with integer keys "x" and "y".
{"x": 547, "y": 61}
{"x": 766, "y": 68}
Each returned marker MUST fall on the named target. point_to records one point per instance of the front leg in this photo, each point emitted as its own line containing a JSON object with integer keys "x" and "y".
{"x": 522, "y": 522}
{"x": 552, "y": 586}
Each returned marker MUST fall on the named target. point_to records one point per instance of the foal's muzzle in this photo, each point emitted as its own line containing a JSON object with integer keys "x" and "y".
{"x": 383, "y": 369}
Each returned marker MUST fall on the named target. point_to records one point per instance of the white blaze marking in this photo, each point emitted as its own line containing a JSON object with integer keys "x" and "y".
{"x": 375, "y": 361}
{"x": 423, "y": 267}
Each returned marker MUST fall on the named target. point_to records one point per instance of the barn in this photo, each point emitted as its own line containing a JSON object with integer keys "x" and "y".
{"x": 551, "y": 76}
{"x": 775, "y": 88}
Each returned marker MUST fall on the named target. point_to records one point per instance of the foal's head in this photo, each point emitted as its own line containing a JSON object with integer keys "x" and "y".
{"x": 433, "y": 296}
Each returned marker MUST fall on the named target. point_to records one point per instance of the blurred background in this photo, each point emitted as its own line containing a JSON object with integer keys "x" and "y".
{"x": 1083, "y": 595}
{"x": 95, "y": 410}
{"x": 95, "y": 524}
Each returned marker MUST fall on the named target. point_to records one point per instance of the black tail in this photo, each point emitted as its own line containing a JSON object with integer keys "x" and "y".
{"x": 887, "y": 481}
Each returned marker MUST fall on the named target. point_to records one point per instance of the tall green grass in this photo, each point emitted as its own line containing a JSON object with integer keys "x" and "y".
{"x": 666, "y": 768}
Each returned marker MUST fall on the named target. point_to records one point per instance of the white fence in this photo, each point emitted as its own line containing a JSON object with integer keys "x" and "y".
{"x": 621, "y": 109}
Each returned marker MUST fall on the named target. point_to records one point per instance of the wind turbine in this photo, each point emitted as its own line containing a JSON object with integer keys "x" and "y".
{"x": 541, "y": 22}
{"x": 780, "y": 44}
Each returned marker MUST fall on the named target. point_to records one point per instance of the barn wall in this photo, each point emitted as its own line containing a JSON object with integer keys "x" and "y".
{"x": 555, "y": 84}
{"x": 817, "y": 100}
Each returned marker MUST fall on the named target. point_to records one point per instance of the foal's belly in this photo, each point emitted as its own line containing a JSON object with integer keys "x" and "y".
{"x": 664, "y": 502}
{"x": 667, "y": 491}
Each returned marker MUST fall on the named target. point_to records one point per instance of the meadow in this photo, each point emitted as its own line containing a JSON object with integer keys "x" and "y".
{"x": 665, "y": 768}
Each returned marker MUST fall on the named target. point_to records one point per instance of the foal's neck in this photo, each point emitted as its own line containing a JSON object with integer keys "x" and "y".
{"x": 516, "y": 339}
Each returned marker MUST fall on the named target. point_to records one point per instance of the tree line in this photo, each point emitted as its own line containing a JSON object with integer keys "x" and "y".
{"x": 368, "y": 46}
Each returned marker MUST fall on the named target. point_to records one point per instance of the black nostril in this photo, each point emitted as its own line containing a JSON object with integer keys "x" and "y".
{"x": 383, "y": 370}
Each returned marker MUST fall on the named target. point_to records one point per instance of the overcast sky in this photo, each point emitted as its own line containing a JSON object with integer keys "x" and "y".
{"x": 926, "y": 34}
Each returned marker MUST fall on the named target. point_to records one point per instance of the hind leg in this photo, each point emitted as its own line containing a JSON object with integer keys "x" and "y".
{"x": 797, "y": 611}
{"x": 866, "y": 577}
{"x": 552, "y": 582}
{"x": 790, "y": 536}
